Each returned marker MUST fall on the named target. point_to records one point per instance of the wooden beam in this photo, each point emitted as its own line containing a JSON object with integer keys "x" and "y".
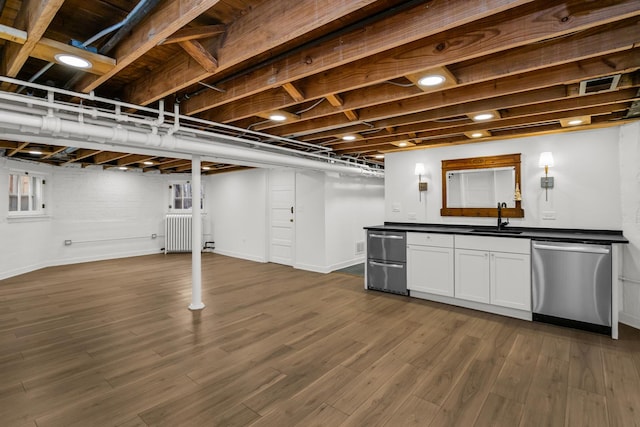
{"x": 108, "y": 156}
{"x": 46, "y": 49}
{"x": 200, "y": 54}
{"x": 34, "y": 17}
{"x": 134, "y": 158}
{"x": 351, "y": 115}
{"x": 556, "y": 75}
{"x": 194, "y": 33}
{"x": 17, "y": 149}
{"x": 54, "y": 152}
{"x": 293, "y": 91}
{"x": 268, "y": 26}
{"x": 522, "y": 116}
{"x": 81, "y": 154}
{"x": 579, "y": 46}
{"x": 166, "y": 19}
{"x": 395, "y": 31}
{"x": 335, "y": 100}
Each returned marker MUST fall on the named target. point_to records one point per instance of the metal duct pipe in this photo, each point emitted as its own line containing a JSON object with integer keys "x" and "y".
{"x": 119, "y": 136}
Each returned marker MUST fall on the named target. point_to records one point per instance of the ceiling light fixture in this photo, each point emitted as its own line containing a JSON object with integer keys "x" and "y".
{"x": 483, "y": 116}
{"x": 379, "y": 156}
{"x": 431, "y": 80}
{"x": 575, "y": 121}
{"x": 349, "y": 137}
{"x": 476, "y": 135}
{"x": 277, "y": 117}
{"x": 402, "y": 144}
{"x": 205, "y": 168}
{"x": 72, "y": 60}
{"x": 148, "y": 163}
{"x": 35, "y": 152}
{"x": 123, "y": 168}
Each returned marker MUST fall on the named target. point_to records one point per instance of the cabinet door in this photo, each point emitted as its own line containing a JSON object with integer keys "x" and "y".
{"x": 430, "y": 269}
{"x": 472, "y": 275}
{"x": 511, "y": 280}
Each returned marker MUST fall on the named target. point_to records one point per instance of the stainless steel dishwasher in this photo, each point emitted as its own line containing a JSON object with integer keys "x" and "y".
{"x": 572, "y": 285}
{"x": 387, "y": 261}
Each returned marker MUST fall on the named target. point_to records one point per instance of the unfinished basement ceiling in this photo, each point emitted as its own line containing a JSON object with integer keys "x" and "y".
{"x": 335, "y": 68}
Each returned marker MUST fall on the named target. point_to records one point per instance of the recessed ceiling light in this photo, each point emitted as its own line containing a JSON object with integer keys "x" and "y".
{"x": 35, "y": 152}
{"x": 72, "y": 60}
{"x": 205, "y": 168}
{"x": 349, "y": 137}
{"x": 148, "y": 163}
{"x": 123, "y": 168}
{"x": 476, "y": 135}
{"x": 431, "y": 80}
{"x": 402, "y": 144}
{"x": 483, "y": 116}
{"x": 574, "y": 122}
{"x": 277, "y": 117}
{"x": 379, "y": 156}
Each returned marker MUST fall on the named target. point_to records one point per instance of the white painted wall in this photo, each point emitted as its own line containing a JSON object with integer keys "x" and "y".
{"x": 106, "y": 214}
{"x": 630, "y": 205}
{"x": 331, "y": 213}
{"x": 351, "y": 204}
{"x": 587, "y": 182}
{"x": 236, "y": 203}
{"x": 310, "y": 221}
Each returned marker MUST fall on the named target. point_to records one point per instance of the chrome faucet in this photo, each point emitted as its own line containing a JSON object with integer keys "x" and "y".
{"x": 501, "y": 224}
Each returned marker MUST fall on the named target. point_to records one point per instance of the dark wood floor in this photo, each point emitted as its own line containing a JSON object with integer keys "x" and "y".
{"x": 112, "y": 343}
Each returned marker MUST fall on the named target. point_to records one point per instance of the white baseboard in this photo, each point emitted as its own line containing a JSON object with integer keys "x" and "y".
{"x": 22, "y": 270}
{"x": 240, "y": 255}
{"x": 76, "y": 260}
{"x": 345, "y": 264}
{"x": 629, "y": 320}
{"x": 314, "y": 268}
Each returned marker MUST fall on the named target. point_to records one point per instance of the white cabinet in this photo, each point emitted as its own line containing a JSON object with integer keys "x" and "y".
{"x": 511, "y": 280}
{"x": 430, "y": 263}
{"x": 494, "y": 270}
{"x": 472, "y": 275}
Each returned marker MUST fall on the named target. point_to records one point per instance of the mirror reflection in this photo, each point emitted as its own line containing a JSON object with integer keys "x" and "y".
{"x": 481, "y": 188}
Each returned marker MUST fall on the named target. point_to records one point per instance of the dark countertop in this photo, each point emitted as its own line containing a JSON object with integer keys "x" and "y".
{"x": 548, "y": 234}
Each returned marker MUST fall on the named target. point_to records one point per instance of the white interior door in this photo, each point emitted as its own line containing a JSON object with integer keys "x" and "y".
{"x": 282, "y": 227}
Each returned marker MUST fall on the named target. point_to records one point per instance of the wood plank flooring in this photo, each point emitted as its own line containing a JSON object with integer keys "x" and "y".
{"x": 112, "y": 344}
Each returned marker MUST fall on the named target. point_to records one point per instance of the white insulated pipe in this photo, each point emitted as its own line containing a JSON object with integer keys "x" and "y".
{"x": 196, "y": 236}
{"x": 120, "y": 136}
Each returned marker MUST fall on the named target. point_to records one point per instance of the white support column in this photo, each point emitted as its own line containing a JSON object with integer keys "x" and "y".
{"x": 196, "y": 237}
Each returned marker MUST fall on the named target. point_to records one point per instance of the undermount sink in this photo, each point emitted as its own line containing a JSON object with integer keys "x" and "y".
{"x": 495, "y": 231}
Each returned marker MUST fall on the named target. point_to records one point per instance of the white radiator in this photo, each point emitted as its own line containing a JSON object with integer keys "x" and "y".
{"x": 177, "y": 231}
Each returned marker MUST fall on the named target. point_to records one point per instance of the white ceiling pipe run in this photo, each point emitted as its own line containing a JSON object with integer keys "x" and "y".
{"x": 121, "y": 137}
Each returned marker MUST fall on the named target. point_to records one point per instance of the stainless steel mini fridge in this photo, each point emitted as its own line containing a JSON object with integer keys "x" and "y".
{"x": 387, "y": 261}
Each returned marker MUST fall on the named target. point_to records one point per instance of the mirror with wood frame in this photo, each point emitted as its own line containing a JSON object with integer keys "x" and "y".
{"x": 475, "y": 186}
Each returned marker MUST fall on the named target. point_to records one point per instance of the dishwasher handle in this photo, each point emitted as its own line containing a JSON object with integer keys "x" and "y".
{"x": 386, "y": 236}
{"x": 380, "y": 264}
{"x": 575, "y": 248}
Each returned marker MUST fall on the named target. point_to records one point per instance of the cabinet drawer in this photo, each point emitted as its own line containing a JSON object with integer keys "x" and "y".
{"x": 494, "y": 244}
{"x": 430, "y": 239}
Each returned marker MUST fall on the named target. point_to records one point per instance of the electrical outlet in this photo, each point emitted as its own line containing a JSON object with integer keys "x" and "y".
{"x": 548, "y": 215}
{"x": 154, "y": 235}
{"x": 412, "y": 216}
{"x": 67, "y": 242}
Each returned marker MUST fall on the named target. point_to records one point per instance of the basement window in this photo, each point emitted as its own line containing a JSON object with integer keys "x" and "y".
{"x": 26, "y": 194}
{"x": 181, "y": 197}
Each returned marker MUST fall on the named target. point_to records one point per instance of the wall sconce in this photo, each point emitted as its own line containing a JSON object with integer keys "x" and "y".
{"x": 422, "y": 186}
{"x": 546, "y": 182}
